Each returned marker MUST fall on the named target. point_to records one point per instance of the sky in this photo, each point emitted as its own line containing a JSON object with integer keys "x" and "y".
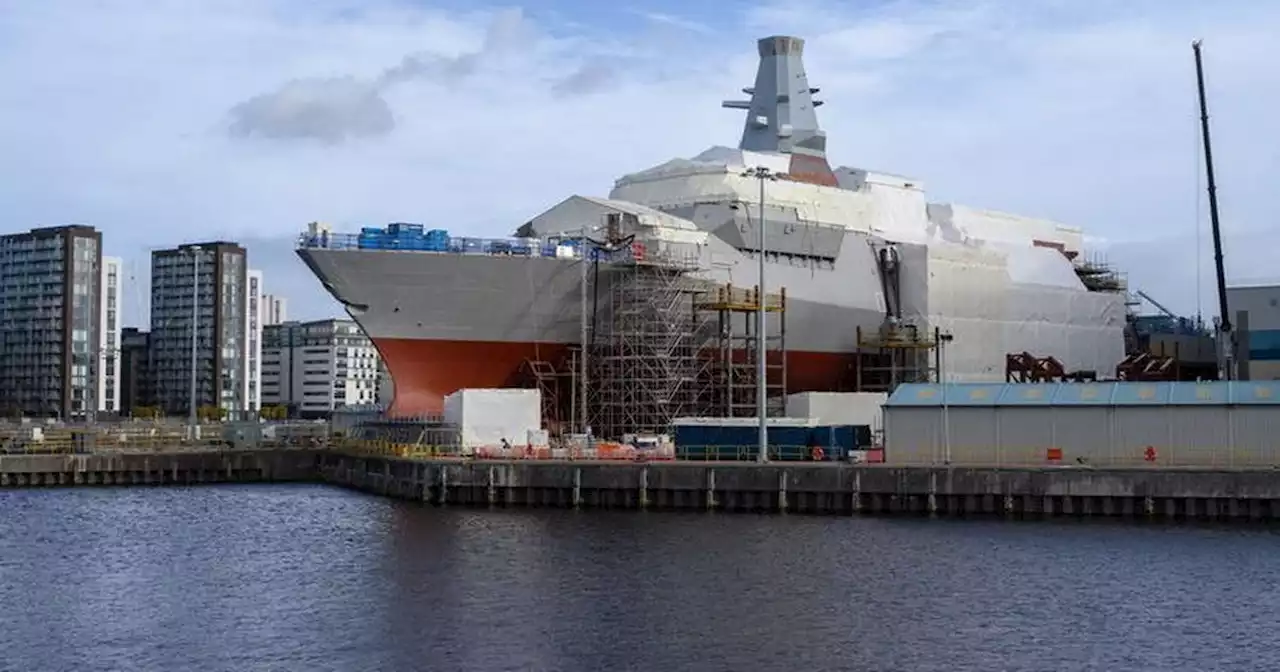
{"x": 169, "y": 121}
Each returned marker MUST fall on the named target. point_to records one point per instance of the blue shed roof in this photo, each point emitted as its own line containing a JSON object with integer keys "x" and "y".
{"x": 1256, "y": 393}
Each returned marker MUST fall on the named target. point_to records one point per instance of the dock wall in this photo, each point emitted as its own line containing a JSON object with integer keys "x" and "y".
{"x": 797, "y": 488}
{"x": 820, "y": 488}
{"x": 159, "y": 468}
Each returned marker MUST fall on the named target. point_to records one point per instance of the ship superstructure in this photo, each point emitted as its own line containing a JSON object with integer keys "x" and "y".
{"x": 868, "y": 265}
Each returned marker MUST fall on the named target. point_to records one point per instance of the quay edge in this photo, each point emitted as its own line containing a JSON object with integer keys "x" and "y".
{"x": 826, "y": 488}
{"x": 176, "y": 467}
{"x": 1167, "y": 493}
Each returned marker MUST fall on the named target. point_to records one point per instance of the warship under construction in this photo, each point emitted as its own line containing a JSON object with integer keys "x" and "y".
{"x": 873, "y": 273}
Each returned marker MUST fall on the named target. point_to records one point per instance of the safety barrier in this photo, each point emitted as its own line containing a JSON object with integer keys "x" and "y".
{"x": 600, "y": 452}
{"x": 98, "y": 447}
{"x": 776, "y": 454}
{"x": 606, "y": 452}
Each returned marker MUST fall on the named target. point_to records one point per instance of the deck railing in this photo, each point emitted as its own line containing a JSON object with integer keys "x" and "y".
{"x": 562, "y": 248}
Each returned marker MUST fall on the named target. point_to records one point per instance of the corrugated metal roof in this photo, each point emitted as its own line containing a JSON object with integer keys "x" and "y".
{"x": 1083, "y": 394}
{"x": 1141, "y": 394}
{"x": 1254, "y": 393}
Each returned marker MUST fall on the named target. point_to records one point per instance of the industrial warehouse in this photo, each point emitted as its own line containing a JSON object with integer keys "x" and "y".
{"x": 1211, "y": 424}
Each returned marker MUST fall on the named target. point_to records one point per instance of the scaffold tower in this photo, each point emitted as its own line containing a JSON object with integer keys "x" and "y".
{"x": 734, "y": 373}
{"x": 644, "y": 355}
{"x": 898, "y": 353}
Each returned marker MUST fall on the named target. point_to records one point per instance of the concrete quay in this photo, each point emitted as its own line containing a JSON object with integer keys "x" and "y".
{"x": 1168, "y": 493}
{"x": 809, "y": 488}
{"x": 162, "y": 467}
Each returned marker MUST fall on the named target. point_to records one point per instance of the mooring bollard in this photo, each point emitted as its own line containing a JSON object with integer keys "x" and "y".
{"x": 711, "y": 490}
{"x": 644, "y": 487}
{"x": 782, "y": 491}
{"x": 577, "y": 487}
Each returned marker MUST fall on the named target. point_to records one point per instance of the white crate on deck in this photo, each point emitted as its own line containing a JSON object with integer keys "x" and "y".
{"x": 484, "y": 417}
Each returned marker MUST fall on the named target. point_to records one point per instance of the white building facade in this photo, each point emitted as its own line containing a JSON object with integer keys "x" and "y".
{"x": 274, "y": 309}
{"x": 108, "y": 393}
{"x": 253, "y": 321}
{"x": 316, "y": 367}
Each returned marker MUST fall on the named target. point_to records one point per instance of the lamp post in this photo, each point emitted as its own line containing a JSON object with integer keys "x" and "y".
{"x": 195, "y": 322}
{"x": 944, "y": 339}
{"x": 762, "y": 174}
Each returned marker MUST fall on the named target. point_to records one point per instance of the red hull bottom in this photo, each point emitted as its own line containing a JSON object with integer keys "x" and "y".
{"x": 425, "y": 372}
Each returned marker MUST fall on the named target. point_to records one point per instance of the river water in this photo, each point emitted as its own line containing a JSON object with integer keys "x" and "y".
{"x": 316, "y": 578}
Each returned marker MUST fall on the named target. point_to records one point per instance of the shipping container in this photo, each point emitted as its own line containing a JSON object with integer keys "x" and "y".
{"x": 398, "y": 228}
{"x": 738, "y": 438}
{"x": 370, "y": 241}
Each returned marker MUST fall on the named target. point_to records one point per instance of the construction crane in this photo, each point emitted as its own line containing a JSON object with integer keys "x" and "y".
{"x": 1160, "y": 307}
{"x": 1224, "y": 316}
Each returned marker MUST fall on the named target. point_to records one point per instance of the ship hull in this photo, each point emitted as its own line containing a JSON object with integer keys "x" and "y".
{"x": 445, "y": 321}
{"x": 425, "y": 371}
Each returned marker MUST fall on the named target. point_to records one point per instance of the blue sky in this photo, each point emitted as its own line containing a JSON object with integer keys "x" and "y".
{"x": 175, "y": 120}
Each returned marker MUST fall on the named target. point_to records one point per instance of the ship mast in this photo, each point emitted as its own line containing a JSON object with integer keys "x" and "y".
{"x": 1224, "y": 320}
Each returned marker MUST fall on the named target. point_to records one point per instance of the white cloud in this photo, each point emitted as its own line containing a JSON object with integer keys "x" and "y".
{"x": 167, "y": 121}
{"x": 673, "y": 21}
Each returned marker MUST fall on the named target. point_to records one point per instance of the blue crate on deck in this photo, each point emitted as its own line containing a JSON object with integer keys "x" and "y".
{"x": 397, "y": 228}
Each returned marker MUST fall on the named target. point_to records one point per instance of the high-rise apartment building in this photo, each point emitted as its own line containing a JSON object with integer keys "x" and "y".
{"x": 135, "y": 372}
{"x": 50, "y": 321}
{"x": 274, "y": 310}
{"x": 108, "y": 392}
{"x": 253, "y": 342}
{"x": 316, "y": 367}
{"x": 199, "y": 289}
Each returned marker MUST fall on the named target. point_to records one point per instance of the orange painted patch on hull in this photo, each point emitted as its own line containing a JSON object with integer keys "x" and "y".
{"x": 425, "y": 371}
{"x": 819, "y": 371}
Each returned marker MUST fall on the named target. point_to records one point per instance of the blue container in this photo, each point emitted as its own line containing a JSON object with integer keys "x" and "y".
{"x": 397, "y": 228}
{"x": 410, "y": 241}
{"x": 371, "y": 230}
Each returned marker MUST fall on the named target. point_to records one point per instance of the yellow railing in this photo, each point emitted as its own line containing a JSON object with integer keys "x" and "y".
{"x": 604, "y": 452}
{"x": 62, "y": 446}
{"x": 396, "y": 449}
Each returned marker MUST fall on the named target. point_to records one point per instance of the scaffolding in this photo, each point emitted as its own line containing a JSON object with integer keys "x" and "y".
{"x": 898, "y": 353}
{"x": 1098, "y": 275}
{"x": 733, "y": 351}
{"x": 553, "y": 377}
{"x": 645, "y": 363}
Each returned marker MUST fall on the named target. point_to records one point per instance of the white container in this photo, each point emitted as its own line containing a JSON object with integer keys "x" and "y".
{"x": 484, "y": 417}
{"x": 838, "y": 408}
{"x": 538, "y": 438}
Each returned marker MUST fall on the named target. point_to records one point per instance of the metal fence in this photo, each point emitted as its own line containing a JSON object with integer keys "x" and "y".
{"x": 157, "y": 437}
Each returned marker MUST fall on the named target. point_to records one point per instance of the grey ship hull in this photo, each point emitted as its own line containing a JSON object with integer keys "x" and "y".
{"x": 445, "y": 321}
